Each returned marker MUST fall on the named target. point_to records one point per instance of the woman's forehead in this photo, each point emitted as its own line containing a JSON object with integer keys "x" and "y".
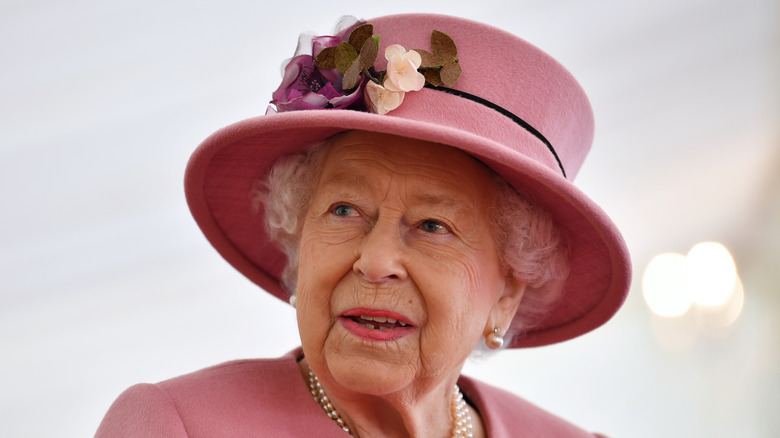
{"x": 401, "y": 155}
{"x": 421, "y": 174}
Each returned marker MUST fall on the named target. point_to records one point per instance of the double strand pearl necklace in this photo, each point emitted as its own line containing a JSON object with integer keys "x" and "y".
{"x": 461, "y": 419}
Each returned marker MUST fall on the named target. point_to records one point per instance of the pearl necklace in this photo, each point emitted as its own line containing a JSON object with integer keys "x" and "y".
{"x": 461, "y": 419}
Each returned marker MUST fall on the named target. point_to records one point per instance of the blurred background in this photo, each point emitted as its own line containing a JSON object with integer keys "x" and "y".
{"x": 105, "y": 280}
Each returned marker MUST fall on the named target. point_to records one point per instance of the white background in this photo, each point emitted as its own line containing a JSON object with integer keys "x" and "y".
{"x": 105, "y": 281}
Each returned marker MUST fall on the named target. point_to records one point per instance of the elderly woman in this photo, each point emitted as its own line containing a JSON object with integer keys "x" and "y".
{"x": 410, "y": 195}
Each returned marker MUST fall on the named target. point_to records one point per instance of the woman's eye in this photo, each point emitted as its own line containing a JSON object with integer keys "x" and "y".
{"x": 431, "y": 226}
{"x": 343, "y": 210}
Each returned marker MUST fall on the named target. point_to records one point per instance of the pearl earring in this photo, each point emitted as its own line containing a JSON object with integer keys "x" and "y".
{"x": 293, "y": 299}
{"x": 494, "y": 340}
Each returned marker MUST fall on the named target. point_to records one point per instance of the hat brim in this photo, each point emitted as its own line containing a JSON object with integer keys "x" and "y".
{"x": 222, "y": 170}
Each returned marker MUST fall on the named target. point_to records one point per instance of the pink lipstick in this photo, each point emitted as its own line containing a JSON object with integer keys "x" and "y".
{"x": 376, "y": 325}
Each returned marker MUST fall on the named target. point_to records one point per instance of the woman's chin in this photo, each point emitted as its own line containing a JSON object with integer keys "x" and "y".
{"x": 372, "y": 361}
{"x": 367, "y": 377}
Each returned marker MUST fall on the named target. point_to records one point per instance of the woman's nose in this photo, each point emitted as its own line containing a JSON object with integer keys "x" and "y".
{"x": 381, "y": 254}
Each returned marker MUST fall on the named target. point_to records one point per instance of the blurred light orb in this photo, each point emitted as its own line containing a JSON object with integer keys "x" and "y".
{"x": 663, "y": 286}
{"x": 714, "y": 318}
{"x": 710, "y": 275}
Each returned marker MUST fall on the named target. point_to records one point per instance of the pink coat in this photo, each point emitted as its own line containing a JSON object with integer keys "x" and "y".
{"x": 267, "y": 398}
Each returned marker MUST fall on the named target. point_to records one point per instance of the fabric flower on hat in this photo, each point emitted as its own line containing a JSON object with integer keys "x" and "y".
{"x": 339, "y": 73}
{"x": 402, "y": 65}
{"x": 306, "y": 86}
{"x": 381, "y": 100}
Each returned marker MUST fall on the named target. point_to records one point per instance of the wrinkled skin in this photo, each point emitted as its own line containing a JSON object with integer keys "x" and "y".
{"x": 399, "y": 225}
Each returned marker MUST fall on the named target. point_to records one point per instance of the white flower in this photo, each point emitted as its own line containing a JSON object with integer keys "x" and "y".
{"x": 402, "y": 65}
{"x": 381, "y": 99}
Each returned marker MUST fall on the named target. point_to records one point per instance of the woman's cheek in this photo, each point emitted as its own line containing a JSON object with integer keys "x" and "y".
{"x": 468, "y": 288}
{"x": 326, "y": 257}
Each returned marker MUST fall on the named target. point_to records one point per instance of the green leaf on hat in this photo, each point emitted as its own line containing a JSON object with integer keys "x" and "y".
{"x": 441, "y": 66}
{"x": 442, "y": 45}
{"x": 326, "y": 58}
{"x": 345, "y": 56}
{"x": 449, "y": 74}
{"x": 432, "y": 76}
{"x": 360, "y": 34}
{"x": 368, "y": 53}
{"x": 429, "y": 60}
{"x": 364, "y": 60}
{"x": 352, "y": 75}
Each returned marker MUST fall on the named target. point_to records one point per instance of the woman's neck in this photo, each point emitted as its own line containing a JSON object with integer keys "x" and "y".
{"x": 411, "y": 412}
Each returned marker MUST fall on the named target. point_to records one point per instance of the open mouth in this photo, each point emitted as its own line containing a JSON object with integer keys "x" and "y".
{"x": 378, "y": 322}
{"x": 376, "y": 325}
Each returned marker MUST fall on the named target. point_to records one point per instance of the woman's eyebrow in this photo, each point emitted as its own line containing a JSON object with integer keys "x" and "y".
{"x": 346, "y": 179}
{"x": 436, "y": 199}
{"x": 456, "y": 204}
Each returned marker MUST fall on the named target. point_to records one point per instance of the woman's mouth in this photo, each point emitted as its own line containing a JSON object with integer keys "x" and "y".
{"x": 373, "y": 325}
{"x": 378, "y": 322}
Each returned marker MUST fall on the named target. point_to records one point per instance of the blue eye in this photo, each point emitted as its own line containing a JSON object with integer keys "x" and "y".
{"x": 343, "y": 210}
{"x": 431, "y": 226}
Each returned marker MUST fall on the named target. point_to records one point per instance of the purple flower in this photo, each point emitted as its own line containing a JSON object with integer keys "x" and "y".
{"x": 306, "y": 86}
{"x": 350, "y": 61}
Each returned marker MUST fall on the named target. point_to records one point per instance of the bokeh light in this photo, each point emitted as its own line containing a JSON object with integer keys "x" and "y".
{"x": 663, "y": 285}
{"x": 710, "y": 274}
{"x": 722, "y": 317}
{"x": 704, "y": 280}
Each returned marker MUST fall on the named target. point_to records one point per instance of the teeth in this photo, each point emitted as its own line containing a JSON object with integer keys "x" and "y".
{"x": 381, "y": 319}
{"x": 378, "y": 318}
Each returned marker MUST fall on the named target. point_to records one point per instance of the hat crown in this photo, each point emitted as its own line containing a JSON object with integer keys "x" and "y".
{"x": 510, "y": 73}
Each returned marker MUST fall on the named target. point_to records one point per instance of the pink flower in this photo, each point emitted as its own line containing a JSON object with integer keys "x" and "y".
{"x": 381, "y": 100}
{"x": 402, "y": 65}
{"x": 306, "y": 86}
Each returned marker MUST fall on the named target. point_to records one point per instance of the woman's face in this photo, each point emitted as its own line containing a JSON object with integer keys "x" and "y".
{"x": 399, "y": 274}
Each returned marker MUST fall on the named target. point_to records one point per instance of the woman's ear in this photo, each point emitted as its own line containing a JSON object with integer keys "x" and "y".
{"x": 506, "y": 306}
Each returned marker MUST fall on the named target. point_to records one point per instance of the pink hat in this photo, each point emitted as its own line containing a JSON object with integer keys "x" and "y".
{"x": 514, "y": 108}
